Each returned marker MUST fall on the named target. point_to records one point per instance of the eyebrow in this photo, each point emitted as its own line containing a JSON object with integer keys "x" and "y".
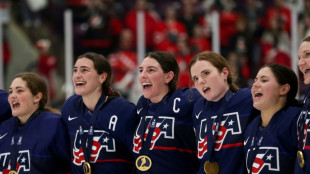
{"x": 83, "y": 66}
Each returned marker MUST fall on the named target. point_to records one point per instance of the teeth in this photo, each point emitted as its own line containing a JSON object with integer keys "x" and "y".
{"x": 144, "y": 84}
{"x": 204, "y": 89}
{"x": 79, "y": 83}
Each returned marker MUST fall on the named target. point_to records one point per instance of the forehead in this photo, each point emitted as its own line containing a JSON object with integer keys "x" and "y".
{"x": 202, "y": 65}
{"x": 84, "y": 62}
{"x": 266, "y": 71}
{"x": 147, "y": 62}
{"x": 18, "y": 82}
{"x": 303, "y": 47}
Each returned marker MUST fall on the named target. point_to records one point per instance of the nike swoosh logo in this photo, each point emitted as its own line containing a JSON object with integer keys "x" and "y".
{"x": 71, "y": 118}
{"x": 138, "y": 111}
{"x": 3, "y": 136}
{"x": 197, "y": 116}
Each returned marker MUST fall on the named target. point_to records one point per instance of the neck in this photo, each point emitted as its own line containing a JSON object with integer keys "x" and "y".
{"x": 24, "y": 118}
{"x": 266, "y": 115}
{"x": 91, "y": 101}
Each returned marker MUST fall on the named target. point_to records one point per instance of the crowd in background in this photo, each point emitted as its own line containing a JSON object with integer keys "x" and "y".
{"x": 252, "y": 32}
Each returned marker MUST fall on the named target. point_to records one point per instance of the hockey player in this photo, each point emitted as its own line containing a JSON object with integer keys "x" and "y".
{"x": 220, "y": 118}
{"x": 33, "y": 141}
{"x": 5, "y": 111}
{"x": 270, "y": 144}
{"x": 303, "y": 154}
{"x": 164, "y": 141}
{"x": 100, "y": 122}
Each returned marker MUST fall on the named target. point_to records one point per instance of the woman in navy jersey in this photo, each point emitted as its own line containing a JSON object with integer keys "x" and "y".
{"x": 33, "y": 140}
{"x": 303, "y": 154}
{"x": 100, "y": 123}
{"x": 271, "y": 139}
{"x": 5, "y": 111}
{"x": 221, "y": 116}
{"x": 164, "y": 141}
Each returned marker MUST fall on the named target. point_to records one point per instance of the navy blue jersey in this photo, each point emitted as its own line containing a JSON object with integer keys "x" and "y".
{"x": 276, "y": 143}
{"x": 304, "y": 130}
{"x": 172, "y": 148}
{"x": 228, "y": 147}
{"x": 113, "y": 128}
{"x": 44, "y": 147}
{"x": 5, "y": 111}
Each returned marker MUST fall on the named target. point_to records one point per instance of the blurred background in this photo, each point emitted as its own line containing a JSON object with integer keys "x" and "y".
{"x": 248, "y": 33}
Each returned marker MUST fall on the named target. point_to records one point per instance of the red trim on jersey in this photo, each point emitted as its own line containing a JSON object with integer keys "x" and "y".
{"x": 232, "y": 145}
{"x": 173, "y": 148}
{"x": 307, "y": 147}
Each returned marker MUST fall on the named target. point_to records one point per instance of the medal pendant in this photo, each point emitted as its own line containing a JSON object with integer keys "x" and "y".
{"x": 143, "y": 163}
{"x": 211, "y": 167}
{"x": 300, "y": 159}
{"x": 12, "y": 172}
{"x": 86, "y": 168}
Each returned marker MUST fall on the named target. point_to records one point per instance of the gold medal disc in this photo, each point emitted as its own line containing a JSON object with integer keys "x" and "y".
{"x": 12, "y": 172}
{"x": 86, "y": 168}
{"x": 211, "y": 167}
{"x": 143, "y": 163}
{"x": 300, "y": 159}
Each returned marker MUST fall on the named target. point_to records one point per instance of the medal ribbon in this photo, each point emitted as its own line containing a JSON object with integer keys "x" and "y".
{"x": 212, "y": 138}
{"x": 255, "y": 146}
{"x": 302, "y": 121}
{"x": 87, "y": 138}
{"x": 146, "y": 144}
{"x": 15, "y": 146}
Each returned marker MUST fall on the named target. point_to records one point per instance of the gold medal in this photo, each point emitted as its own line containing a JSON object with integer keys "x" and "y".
{"x": 143, "y": 163}
{"x": 300, "y": 159}
{"x": 86, "y": 168}
{"x": 211, "y": 167}
{"x": 12, "y": 172}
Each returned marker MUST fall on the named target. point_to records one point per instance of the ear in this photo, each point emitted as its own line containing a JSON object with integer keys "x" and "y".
{"x": 37, "y": 97}
{"x": 169, "y": 77}
{"x": 225, "y": 73}
{"x": 285, "y": 89}
{"x": 103, "y": 77}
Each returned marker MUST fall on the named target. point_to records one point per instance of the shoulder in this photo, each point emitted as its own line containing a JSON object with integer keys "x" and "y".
{"x": 3, "y": 93}
{"x": 188, "y": 95}
{"x": 120, "y": 102}
{"x": 292, "y": 112}
{"x": 49, "y": 117}
{"x": 7, "y": 124}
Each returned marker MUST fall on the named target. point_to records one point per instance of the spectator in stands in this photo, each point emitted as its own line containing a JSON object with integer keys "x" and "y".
{"x": 124, "y": 63}
{"x": 47, "y": 65}
{"x": 151, "y": 18}
{"x": 276, "y": 43}
{"x": 103, "y": 29}
{"x": 168, "y": 31}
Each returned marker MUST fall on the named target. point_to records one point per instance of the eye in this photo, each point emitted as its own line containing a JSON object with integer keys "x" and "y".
{"x": 84, "y": 69}
{"x": 195, "y": 79}
{"x": 74, "y": 69}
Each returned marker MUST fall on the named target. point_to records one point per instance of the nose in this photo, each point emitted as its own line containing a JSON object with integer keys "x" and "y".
{"x": 201, "y": 80}
{"x": 255, "y": 84}
{"x": 301, "y": 61}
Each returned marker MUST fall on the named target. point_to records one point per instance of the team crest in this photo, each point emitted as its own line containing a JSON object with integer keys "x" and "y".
{"x": 164, "y": 126}
{"x": 306, "y": 131}
{"x": 23, "y": 162}
{"x": 267, "y": 158}
{"x": 230, "y": 126}
{"x": 102, "y": 140}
